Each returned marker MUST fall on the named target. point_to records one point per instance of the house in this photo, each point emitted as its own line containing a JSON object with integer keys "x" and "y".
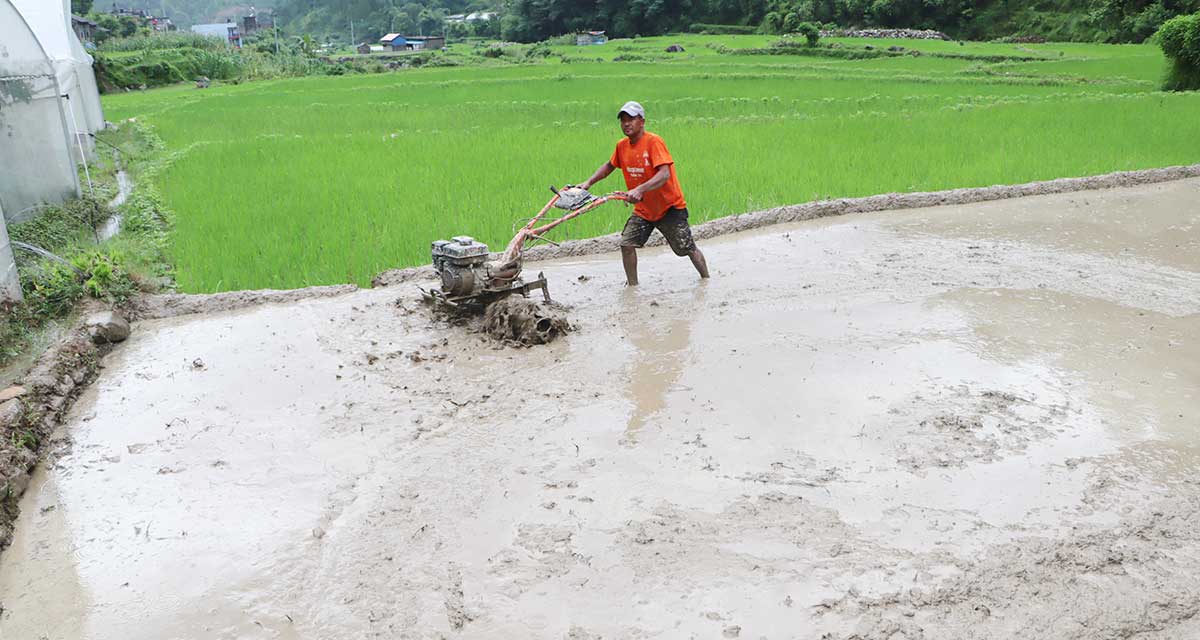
{"x": 393, "y": 42}
{"x": 131, "y": 13}
{"x": 417, "y": 43}
{"x": 397, "y": 42}
{"x": 226, "y": 31}
{"x": 590, "y": 37}
{"x": 364, "y": 48}
{"x": 85, "y": 29}
{"x": 256, "y": 22}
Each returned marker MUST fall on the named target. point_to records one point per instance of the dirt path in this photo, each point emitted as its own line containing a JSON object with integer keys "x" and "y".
{"x": 961, "y": 422}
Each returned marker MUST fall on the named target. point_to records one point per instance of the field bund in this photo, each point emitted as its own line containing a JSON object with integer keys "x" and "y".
{"x": 968, "y": 421}
{"x": 317, "y": 181}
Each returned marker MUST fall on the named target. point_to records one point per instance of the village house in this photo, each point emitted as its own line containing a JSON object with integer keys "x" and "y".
{"x": 397, "y": 42}
{"x": 85, "y": 29}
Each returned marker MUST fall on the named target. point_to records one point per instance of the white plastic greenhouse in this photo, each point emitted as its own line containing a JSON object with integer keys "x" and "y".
{"x": 49, "y": 106}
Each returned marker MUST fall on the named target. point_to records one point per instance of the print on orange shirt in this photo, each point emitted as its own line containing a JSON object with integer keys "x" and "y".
{"x": 639, "y": 162}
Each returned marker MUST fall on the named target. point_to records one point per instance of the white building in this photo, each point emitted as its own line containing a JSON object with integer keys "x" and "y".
{"x": 226, "y": 31}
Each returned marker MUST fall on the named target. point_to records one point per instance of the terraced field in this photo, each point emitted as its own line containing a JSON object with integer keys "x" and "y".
{"x": 326, "y": 180}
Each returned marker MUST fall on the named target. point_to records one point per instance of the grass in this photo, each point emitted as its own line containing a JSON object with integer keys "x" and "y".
{"x": 314, "y": 180}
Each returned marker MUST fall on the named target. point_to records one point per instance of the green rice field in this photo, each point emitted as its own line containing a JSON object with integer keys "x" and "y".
{"x": 325, "y": 180}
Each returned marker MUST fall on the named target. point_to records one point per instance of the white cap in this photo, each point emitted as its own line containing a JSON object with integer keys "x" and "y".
{"x": 633, "y": 108}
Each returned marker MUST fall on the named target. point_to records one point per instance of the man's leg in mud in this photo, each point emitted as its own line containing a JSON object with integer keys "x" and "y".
{"x": 634, "y": 236}
{"x": 678, "y": 233}
{"x": 629, "y": 261}
{"x": 699, "y": 262}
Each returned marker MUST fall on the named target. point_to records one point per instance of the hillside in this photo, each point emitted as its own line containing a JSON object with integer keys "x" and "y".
{"x": 533, "y": 20}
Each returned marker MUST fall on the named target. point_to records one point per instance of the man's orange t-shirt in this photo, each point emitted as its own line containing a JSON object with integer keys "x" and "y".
{"x": 639, "y": 162}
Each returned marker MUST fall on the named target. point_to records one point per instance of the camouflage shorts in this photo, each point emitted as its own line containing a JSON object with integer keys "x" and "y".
{"x": 673, "y": 226}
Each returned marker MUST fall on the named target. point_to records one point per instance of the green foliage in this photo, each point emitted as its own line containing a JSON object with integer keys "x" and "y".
{"x": 1179, "y": 39}
{"x": 112, "y": 27}
{"x": 52, "y": 289}
{"x": 113, "y": 271}
{"x": 772, "y": 23}
{"x": 81, "y": 7}
{"x": 169, "y": 40}
{"x": 810, "y": 31}
{"x": 158, "y": 67}
{"x": 57, "y": 228}
{"x": 103, "y": 276}
{"x": 26, "y": 439}
{"x": 1136, "y": 20}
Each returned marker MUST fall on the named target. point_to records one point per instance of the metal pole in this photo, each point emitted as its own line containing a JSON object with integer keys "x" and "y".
{"x": 79, "y": 144}
{"x": 66, "y": 133}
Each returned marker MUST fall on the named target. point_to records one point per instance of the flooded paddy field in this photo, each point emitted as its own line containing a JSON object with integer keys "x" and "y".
{"x": 970, "y": 421}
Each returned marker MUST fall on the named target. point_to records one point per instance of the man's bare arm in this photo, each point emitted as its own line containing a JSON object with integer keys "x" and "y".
{"x": 601, "y": 173}
{"x": 659, "y": 179}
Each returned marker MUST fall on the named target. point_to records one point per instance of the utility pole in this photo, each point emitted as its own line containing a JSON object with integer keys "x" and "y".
{"x": 275, "y": 27}
{"x": 353, "y": 42}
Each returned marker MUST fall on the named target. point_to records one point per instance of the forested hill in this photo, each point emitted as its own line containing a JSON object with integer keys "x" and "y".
{"x": 1089, "y": 20}
{"x": 532, "y": 20}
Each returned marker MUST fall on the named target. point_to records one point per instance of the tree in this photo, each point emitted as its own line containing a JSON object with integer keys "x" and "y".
{"x": 81, "y": 7}
{"x": 810, "y": 31}
{"x": 1179, "y": 39}
{"x": 772, "y": 23}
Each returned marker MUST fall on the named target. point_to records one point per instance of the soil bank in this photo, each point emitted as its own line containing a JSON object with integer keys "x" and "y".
{"x": 970, "y": 421}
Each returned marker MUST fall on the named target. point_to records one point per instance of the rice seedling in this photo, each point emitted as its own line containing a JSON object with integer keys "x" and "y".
{"x": 325, "y": 180}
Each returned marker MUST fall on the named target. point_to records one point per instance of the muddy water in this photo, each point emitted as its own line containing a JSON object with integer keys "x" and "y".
{"x": 958, "y": 422}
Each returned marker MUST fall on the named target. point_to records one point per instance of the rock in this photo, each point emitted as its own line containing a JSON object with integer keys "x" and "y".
{"x": 66, "y": 385}
{"x": 675, "y": 48}
{"x": 17, "y": 484}
{"x": 12, "y": 392}
{"x": 106, "y": 327}
{"x": 10, "y": 413}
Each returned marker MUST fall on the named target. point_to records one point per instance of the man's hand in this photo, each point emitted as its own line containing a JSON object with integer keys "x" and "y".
{"x": 634, "y": 195}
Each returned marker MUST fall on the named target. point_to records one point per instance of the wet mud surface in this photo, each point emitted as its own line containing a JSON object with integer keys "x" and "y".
{"x": 973, "y": 421}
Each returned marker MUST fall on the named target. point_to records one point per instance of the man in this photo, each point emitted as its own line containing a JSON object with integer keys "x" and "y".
{"x": 653, "y": 188}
